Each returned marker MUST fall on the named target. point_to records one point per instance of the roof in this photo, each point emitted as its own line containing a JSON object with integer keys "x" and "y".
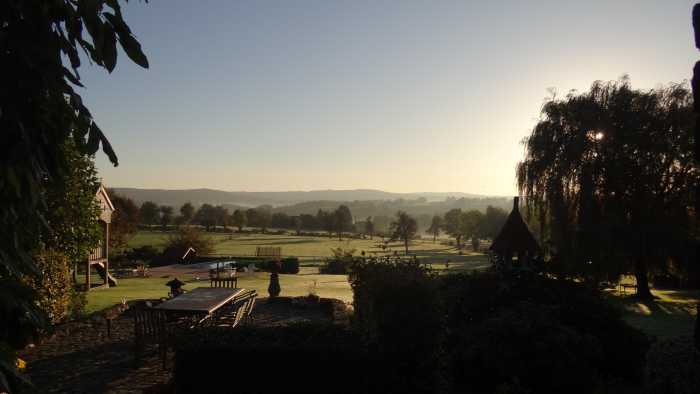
{"x": 105, "y": 204}
{"x": 515, "y": 237}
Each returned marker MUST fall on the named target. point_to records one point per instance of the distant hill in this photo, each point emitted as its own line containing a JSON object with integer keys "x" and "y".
{"x": 252, "y": 199}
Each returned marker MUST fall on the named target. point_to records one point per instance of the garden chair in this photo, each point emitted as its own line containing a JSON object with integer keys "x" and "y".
{"x": 237, "y": 311}
{"x": 150, "y": 326}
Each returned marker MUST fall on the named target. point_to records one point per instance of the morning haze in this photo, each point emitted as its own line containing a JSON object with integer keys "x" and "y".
{"x": 421, "y": 96}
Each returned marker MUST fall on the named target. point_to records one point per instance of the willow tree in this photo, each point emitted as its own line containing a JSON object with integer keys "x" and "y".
{"x": 610, "y": 174}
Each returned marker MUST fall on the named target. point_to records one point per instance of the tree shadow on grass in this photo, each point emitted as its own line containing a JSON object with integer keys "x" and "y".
{"x": 670, "y": 314}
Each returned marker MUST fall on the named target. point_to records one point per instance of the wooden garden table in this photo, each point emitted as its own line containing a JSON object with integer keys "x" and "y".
{"x": 201, "y": 302}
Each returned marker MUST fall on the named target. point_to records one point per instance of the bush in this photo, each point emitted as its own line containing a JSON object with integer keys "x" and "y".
{"x": 525, "y": 344}
{"x": 76, "y": 304}
{"x": 143, "y": 253}
{"x": 53, "y": 286}
{"x": 596, "y": 336}
{"x": 399, "y": 314}
{"x": 336, "y": 267}
{"x": 290, "y": 265}
{"x": 186, "y": 237}
{"x": 673, "y": 367}
{"x": 300, "y": 358}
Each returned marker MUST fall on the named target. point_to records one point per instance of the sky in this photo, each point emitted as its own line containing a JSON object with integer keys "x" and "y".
{"x": 402, "y": 96}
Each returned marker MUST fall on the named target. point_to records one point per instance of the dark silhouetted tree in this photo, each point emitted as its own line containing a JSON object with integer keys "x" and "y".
{"x": 206, "y": 216}
{"x": 187, "y": 212}
{"x": 125, "y": 220}
{"x": 149, "y": 213}
{"x": 166, "y": 216}
{"x": 222, "y": 216}
{"x": 239, "y": 219}
{"x": 452, "y": 224}
{"x": 342, "y": 220}
{"x": 435, "y": 227}
{"x": 369, "y": 227}
{"x": 610, "y": 173}
{"x": 404, "y": 228}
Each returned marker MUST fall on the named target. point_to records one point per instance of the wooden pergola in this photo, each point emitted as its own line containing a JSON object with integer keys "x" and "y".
{"x": 515, "y": 239}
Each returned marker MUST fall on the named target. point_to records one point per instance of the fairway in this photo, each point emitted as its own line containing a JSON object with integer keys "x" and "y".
{"x": 311, "y": 248}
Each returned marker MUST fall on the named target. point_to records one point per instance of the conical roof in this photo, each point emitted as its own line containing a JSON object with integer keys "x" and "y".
{"x": 515, "y": 237}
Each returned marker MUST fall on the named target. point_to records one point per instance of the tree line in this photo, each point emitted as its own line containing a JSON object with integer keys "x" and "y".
{"x": 461, "y": 225}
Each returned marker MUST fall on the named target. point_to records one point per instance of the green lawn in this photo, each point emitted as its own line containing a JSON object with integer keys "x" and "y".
{"x": 672, "y": 314}
{"x": 306, "y": 247}
{"x": 332, "y": 286}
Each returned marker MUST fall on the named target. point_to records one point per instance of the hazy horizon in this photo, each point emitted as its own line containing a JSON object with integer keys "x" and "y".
{"x": 363, "y": 95}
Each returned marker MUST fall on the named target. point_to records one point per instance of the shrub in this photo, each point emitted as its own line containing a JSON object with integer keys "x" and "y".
{"x": 290, "y": 265}
{"x": 76, "y": 304}
{"x": 143, "y": 253}
{"x": 673, "y": 367}
{"x": 186, "y": 237}
{"x": 53, "y": 286}
{"x": 399, "y": 314}
{"x": 300, "y": 358}
{"x": 526, "y": 344}
{"x": 575, "y": 314}
{"x": 336, "y": 267}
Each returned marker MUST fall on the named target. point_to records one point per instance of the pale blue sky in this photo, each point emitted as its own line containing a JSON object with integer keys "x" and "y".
{"x": 394, "y": 95}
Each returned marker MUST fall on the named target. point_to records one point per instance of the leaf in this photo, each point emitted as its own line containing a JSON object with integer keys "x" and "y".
{"x": 127, "y": 40}
{"x": 93, "y": 141}
{"x": 95, "y": 132}
{"x": 72, "y": 78}
{"x": 109, "y": 47}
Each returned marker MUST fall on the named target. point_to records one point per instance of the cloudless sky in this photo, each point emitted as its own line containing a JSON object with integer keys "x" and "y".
{"x": 395, "y": 95}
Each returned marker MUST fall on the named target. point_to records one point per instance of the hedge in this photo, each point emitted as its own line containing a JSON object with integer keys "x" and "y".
{"x": 300, "y": 358}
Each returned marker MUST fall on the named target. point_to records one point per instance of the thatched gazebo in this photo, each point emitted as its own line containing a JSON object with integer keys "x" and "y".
{"x": 515, "y": 240}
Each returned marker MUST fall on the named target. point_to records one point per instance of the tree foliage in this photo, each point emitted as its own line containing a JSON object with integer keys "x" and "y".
{"x": 72, "y": 209}
{"x": 239, "y": 219}
{"x": 41, "y": 110}
{"x": 404, "y": 228}
{"x": 342, "y": 220}
{"x": 149, "y": 213}
{"x": 610, "y": 174}
{"x": 435, "y": 227}
{"x": 187, "y": 212}
{"x": 125, "y": 220}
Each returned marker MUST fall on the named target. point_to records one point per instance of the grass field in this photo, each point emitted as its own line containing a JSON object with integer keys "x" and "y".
{"x": 309, "y": 248}
{"x": 672, "y": 314}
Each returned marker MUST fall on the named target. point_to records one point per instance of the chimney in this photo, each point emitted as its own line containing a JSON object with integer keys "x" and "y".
{"x": 515, "y": 204}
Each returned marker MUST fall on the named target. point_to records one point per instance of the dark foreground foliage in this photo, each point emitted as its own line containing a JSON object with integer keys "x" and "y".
{"x": 542, "y": 334}
{"x": 302, "y": 358}
{"x": 673, "y": 367}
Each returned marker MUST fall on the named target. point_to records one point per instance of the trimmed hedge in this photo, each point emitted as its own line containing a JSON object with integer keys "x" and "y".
{"x": 543, "y": 333}
{"x": 300, "y": 358}
{"x": 398, "y": 313}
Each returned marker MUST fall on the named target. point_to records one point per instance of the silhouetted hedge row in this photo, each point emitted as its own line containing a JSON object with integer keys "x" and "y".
{"x": 301, "y": 358}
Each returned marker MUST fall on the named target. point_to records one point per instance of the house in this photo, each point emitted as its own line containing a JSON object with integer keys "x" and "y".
{"x": 98, "y": 257}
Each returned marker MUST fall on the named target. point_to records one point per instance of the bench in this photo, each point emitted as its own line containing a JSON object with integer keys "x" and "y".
{"x": 268, "y": 251}
{"x": 625, "y": 286}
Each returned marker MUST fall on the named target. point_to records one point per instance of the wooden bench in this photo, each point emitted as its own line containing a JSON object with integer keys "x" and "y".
{"x": 231, "y": 282}
{"x": 625, "y": 286}
{"x": 268, "y": 251}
